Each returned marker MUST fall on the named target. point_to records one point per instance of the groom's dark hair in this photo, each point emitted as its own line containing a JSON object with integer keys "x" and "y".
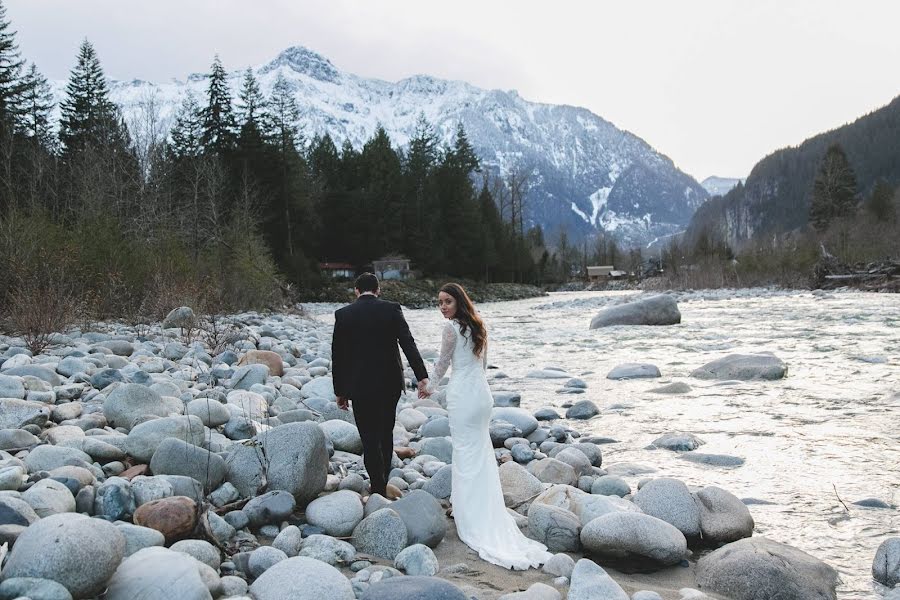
{"x": 367, "y": 282}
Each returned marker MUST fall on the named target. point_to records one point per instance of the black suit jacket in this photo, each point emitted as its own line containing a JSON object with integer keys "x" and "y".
{"x": 364, "y": 353}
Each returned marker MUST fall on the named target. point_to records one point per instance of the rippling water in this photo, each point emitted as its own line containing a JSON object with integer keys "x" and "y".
{"x": 826, "y": 435}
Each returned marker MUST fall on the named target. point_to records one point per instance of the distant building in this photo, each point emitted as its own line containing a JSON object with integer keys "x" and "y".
{"x": 338, "y": 270}
{"x": 392, "y": 267}
{"x": 601, "y": 272}
{"x": 614, "y": 274}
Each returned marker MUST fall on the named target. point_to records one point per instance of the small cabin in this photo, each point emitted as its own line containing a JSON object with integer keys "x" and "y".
{"x": 599, "y": 272}
{"x": 392, "y": 267}
{"x": 338, "y": 270}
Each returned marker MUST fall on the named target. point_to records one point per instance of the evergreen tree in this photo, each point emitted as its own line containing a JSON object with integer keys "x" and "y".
{"x": 89, "y": 117}
{"x": 37, "y": 104}
{"x": 834, "y": 189}
{"x": 251, "y": 114}
{"x": 492, "y": 233}
{"x": 881, "y": 202}
{"x": 283, "y": 116}
{"x": 187, "y": 132}
{"x": 11, "y": 85}
{"x": 419, "y": 207}
{"x": 219, "y": 125}
{"x": 383, "y": 208}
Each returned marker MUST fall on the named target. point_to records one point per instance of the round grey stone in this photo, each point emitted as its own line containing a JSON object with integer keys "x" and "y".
{"x": 423, "y": 516}
{"x": 670, "y": 500}
{"x": 585, "y": 409}
{"x": 177, "y": 457}
{"x": 417, "y": 559}
{"x": 761, "y": 568}
{"x": 131, "y": 401}
{"x": 610, "y": 485}
{"x": 302, "y": 578}
{"x": 382, "y": 534}
{"x": 201, "y": 550}
{"x": 886, "y": 566}
{"x": 625, "y": 534}
{"x": 263, "y": 558}
{"x": 555, "y": 527}
{"x": 158, "y": 574}
{"x": 83, "y": 557}
{"x": 33, "y": 589}
{"x": 337, "y": 514}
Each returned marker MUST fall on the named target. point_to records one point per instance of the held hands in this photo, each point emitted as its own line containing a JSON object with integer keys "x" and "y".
{"x": 423, "y": 389}
{"x": 343, "y": 403}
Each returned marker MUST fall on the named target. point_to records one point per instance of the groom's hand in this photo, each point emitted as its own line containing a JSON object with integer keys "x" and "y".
{"x": 343, "y": 403}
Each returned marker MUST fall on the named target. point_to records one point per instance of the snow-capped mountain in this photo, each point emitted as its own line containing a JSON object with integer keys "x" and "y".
{"x": 719, "y": 186}
{"x": 585, "y": 173}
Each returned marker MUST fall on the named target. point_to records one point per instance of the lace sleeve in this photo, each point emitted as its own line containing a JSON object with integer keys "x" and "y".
{"x": 448, "y": 344}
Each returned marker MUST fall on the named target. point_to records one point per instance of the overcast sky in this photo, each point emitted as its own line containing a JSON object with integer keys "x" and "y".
{"x": 714, "y": 84}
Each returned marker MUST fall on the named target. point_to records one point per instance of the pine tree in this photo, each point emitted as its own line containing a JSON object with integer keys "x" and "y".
{"x": 881, "y": 202}
{"x": 251, "y": 112}
{"x": 382, "y": 175}
{"x": 219, "y": 124}
{"x": 834, "y": 189}
{"x": 11, "y": 86}
{"x": 283, "y": 116}
{"x": 89, "y": 118}
{"x": 419, "y": 207}
{"x": 187, "y": 133}
{"x": 37, "y": 104}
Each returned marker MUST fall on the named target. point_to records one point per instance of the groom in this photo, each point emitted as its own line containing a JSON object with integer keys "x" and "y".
{"x": 367, "y": 371}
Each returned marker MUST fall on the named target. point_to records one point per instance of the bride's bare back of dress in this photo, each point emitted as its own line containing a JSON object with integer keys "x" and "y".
{"x": 482, "y": 521}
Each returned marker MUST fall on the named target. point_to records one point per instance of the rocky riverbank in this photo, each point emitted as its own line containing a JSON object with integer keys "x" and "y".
{"x": 422, "y": 293}
{"x": 164, "y": 467}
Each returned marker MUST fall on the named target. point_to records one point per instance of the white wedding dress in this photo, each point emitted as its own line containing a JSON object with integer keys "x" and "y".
{"x": 478, "y": 508}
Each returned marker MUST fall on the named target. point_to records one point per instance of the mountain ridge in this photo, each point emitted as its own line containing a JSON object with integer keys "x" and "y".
{"x": 586, "y": 175}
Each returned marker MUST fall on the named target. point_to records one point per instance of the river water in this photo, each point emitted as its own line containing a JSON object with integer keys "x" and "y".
{"x": 824, "y": 437}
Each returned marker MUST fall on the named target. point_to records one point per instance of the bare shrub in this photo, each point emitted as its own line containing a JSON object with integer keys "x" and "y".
{"x": 42, "y": 302}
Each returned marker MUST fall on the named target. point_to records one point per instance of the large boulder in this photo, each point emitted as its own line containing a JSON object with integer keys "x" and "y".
{"x": 212, "y": 412}
{"x": 723, "y": 517}
{"x": 634, "y": 371}
{"x": 157, "y": 574}
{"x": 327, "y": 549}
{"x": 175, "y": 517}
{"x": 757, "y": 567}
{"x": 343, "y": 435}
{"x": 302, "y": 578}
{"x": 582, "y": 410}
{"x": 550, "y": 470}
{"x": 182, "y": 318}
{"x": 15, "y": 414}
{"x": 247, "y": 376}
{"x": 655, "y": 310}
{"x": 634, "y": 535}
{"x": 670, "y": 500}
{"x": 12, "y": 387}
{"x": 49, "y": 497}
{"x": 296, "y": 457}
{"x": 83, "y": 555}
{"x": 320, "y": 387}
{"x": 131, "y": 401}
{"x": 590, "y": 582}
{"x": 33, "y": 588}
{"x": 886, "y": 566}
{"x": 423, "y": 516}
{"x": 555, "y": 527}
{"x": 519, "y": 417}
{"x": 336, "y": 514}
{"x": 177, "y": 457}
{"x": 270, "y": 359}
{"x": 519, "y": 486}
{"x": 745, "y": 367}
{"x": 413, "y": 588}
{"x": 144, "y": 438}
{"x": 381, "y": 534}
{"x": 47, "y": 458}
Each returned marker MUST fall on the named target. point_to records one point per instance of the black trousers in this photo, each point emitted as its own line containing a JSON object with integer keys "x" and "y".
{"x": 375, "y": 420}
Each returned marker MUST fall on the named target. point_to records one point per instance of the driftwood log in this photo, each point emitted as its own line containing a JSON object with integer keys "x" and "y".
{"x": 881, "y": 276}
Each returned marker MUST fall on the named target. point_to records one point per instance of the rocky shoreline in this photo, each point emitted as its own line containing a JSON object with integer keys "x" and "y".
{"x": 164, "y": 466}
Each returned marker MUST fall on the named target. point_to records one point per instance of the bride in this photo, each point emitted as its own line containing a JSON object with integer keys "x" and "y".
{"x": 478, "y": 508}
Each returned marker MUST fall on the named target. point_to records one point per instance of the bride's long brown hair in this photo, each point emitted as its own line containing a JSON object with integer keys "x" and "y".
{"x": 467, "y": 316}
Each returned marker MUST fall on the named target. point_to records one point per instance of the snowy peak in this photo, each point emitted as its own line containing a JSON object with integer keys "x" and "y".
{"x": 304, "y": 61}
